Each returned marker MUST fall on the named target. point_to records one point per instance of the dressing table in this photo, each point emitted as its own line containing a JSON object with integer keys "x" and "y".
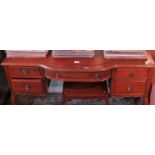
{"x": 127, "y": 77}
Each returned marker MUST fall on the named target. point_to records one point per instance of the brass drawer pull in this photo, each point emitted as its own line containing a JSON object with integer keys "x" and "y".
{"x": 129, "y": 88}
{"x": 27, "y": 87}
{"x": 97, "y": 76}
{"x": 25, "y": 71}
{"x": 57, "y": 75}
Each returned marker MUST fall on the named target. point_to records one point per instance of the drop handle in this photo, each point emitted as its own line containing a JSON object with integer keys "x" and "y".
{"x": 57, "y": 75}
{"x": 129, "y": 88}
{"x": 27, "y": 87}
{"x": 97, "y": 76}
{"x": 24, "y": 71}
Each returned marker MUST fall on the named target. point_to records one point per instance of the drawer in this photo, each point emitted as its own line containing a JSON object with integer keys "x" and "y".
{"x": 80, "y": 76}
{"x": 25, "y": 72}
{"x": 35, "y": 86}
{"x": 131, "y": 73}
{"x": 130, "y": 87}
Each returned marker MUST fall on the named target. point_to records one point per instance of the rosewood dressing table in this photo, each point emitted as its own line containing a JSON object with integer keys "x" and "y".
{"x": 127, "y": 77}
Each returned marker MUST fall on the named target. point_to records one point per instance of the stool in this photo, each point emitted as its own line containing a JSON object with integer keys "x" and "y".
{"x": 85, "y": 90}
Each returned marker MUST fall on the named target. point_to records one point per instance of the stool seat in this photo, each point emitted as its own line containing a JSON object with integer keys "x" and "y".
{"x": 88, "y": 90}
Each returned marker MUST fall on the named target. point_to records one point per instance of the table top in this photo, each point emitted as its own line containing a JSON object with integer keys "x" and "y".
{"x": 97, "y": 63}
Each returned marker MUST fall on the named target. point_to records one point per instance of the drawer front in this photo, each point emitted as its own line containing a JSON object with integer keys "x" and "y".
{"x": 132, "y": 87}
{"x": 24, "y": 72}
{"x": 79, "y": 76}
{"x": 28, "y": 86}
{"x": 131, "y": 73}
